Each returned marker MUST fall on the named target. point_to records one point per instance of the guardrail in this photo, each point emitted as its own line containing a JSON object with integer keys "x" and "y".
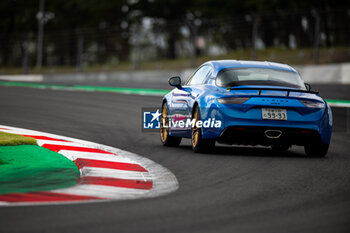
{"x": 329, "y": 73}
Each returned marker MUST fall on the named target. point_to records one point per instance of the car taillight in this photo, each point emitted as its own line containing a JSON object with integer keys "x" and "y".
{"x": 312, "y": 104}
{"x": 238, "y": 100}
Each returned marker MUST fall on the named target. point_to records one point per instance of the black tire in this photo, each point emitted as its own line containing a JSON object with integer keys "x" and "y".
{"x": 280, "y": 147}
{"x": 165, "y": 138}
{"x": 200, "y": 145}
{"x": 316, "y": 149}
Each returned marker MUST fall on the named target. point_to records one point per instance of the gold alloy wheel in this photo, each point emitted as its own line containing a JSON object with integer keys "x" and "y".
{"x": 164, "y": 129}
{"x": 195, "y": 129}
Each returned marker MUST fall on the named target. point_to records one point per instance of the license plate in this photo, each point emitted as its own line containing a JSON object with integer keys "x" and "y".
{"x": 274, "y": 114}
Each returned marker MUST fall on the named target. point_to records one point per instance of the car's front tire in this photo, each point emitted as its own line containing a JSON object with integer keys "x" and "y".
{"x": 200, "y": 145}
{"x": 316, "y": 149}
{"x": 165, "y": 138}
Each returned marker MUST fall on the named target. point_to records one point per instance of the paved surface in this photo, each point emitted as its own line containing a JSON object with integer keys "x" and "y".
{"x": 328, "y": 91}
{"x": 236, "y": 189}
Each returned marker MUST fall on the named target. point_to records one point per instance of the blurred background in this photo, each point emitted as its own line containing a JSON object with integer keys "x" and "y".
{"x": 53, "y": 36}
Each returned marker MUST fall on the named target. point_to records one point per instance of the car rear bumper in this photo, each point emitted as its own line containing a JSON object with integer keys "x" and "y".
{"x": 319, "y": 122}
{"x": 253, "y": 135}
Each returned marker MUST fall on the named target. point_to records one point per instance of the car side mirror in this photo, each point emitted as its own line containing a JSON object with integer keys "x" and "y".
{"x": 308, "y": 86}
{"x": 175, "y": 81}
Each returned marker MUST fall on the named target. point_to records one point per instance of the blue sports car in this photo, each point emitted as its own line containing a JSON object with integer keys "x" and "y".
{"x": 247, "y": 103}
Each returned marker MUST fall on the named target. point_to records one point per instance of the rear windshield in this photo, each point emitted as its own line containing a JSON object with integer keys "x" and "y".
{"x": 259, "y": 76}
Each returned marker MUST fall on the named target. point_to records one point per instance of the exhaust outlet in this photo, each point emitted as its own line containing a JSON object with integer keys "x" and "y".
{"x": 273, "y": 133}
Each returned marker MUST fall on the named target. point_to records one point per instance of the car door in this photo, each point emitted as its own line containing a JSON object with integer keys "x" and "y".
{"x": 183, "y": 100}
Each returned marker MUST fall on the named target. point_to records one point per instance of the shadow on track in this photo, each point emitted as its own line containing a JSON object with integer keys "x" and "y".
{"x": 252, "y": 151}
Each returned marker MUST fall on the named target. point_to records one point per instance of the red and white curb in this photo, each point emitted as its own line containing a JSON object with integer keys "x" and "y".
{"x": 106, "y": 173}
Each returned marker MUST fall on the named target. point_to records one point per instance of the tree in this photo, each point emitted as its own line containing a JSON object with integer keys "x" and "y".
{"x": 169, "y": 16}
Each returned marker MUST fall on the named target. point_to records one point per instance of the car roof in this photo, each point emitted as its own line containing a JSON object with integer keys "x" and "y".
{"x": 219, "y": 65}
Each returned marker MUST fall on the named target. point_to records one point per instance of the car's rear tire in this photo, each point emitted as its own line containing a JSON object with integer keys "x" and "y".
{"x": 165, "y": 138}
{"x": 316, "y": 149}
{"x": 200, "y": 145}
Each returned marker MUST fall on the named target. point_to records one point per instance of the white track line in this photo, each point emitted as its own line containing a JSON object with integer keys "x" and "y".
{"x": 341, "y": 105}
{"x": 50, "y": 142}
{"x": 103, "y": 191}
{"x": 73, "y": 155}
{"x": 115, "y": 173}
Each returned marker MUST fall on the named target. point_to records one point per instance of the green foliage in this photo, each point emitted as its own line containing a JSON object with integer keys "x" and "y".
{"x": 106, "y": 29}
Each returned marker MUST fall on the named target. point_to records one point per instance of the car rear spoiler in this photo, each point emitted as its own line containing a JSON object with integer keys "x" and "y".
{"x": 271, "y": 89}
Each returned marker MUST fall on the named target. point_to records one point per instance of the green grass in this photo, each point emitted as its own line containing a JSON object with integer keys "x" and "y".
{"x": 9, "y": 139}
{"x": 30, "y": 168}
{"x": 300, "y": 56}
{"x": 27, "y": 167}
{"x": 123, "y": 90}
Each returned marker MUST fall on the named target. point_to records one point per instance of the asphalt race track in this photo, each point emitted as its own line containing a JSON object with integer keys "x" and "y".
{"x": 235, "y": 189}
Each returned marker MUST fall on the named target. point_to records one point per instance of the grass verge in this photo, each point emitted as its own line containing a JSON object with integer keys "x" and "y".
{"x": 9, "y": 139}
{"x": 122, "y": 90}
{"x": 30, "y": 168}
{"x": 300, "y": 56}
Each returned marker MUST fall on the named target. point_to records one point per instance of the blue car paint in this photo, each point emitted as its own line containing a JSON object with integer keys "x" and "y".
{"x": 182, "y": 101}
